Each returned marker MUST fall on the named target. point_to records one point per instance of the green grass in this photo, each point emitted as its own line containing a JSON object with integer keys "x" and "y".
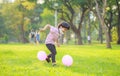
{"x": 89, "y": 60}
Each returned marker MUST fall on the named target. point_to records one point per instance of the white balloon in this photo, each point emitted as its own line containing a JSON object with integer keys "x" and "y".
{"x": 67, "y": 60}
{"x": 42, "y": 55}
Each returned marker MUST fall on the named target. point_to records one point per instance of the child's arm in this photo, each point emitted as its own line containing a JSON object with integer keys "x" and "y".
{"x": 45, "y": 28}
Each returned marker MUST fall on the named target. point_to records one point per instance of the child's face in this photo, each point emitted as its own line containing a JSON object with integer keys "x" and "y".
{"x": 64, "y": 29}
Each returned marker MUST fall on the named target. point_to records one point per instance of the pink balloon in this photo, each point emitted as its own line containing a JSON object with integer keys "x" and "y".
{"x": 42, "y": 55}
{"x": 67, "y": 60}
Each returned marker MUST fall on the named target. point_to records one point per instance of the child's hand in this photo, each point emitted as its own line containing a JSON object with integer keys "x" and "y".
{"x": 41, "y": 30}
{"x": 58, "y": 45}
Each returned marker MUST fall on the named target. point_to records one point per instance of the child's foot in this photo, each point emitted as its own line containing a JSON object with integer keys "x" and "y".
{"x": 48, "y": 60}
{"x": 53, "y": 64}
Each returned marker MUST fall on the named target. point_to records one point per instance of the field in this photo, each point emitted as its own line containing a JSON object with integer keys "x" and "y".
{"x": 89, "y": 60}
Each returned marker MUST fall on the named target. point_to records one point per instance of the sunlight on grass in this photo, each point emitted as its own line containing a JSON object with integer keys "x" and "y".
{"x": 89, "y": 60}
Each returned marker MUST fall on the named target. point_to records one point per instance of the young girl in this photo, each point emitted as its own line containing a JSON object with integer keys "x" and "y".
{"x": 52, "y": 38}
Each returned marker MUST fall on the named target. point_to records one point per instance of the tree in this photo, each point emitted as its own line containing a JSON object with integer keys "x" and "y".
{"x": 69, "y": 15}
{"x": 101, "y": 18}
{"x": 17, "y": 17}
{"x": 68, "y": 11}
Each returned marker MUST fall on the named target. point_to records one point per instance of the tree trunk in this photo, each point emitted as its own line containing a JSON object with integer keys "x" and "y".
{"x": 107, "y": 38}
{"x": 109, "y": 34}
{"x": 79, "y": 38}
{"x": 23, "y": 39}
{"x": 108, "y": 22}
{"x": 101, "y": 18}
{"x": 118, "y": 27}
{"x": 68, "y": 35}
{"x": 100, "y": 34}
{"x": 22, "y": 34}
{"x": 118, "y": 41}
{"x": 77, "y": 34}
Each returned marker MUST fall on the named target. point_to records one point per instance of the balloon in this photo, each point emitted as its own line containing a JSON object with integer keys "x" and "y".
{"x": 67, "y": 60}
{"x": 41, "y": 55}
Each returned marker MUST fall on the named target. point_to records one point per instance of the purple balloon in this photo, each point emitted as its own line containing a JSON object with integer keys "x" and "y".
{"x": 41, "y": 55}
{"x": 67, "y": 60}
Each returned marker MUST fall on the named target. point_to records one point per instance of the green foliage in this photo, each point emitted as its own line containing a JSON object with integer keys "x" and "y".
{"x": 32, "y": 15}
{"x": 2, "y": 26}
{"x": 13, "y": 18}
{"x": 17, "y": 15}
{"x": 95, "y": 60}
{"x": 32, "y": 0}
{"x": 43, "y": 36}
{"x": 114, "y": 34}
{"x": 28, "y": 5}
{"x": 81, "y": 3}
{"x": 47, "y": 17}
{"x": 4, "y": 39}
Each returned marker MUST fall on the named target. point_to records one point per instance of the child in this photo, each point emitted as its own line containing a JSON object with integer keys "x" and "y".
{"x": 32, "y": 36}
{"x": 52, "y": 37}
{"x": 37, "y": 37}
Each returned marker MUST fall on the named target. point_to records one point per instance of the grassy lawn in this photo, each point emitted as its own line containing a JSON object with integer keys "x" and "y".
{"x": 89, "y": 60}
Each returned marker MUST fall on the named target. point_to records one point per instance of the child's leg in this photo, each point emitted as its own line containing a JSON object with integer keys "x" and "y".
{"x": 53, "y": 52}
{"x": 49, "y": 56}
